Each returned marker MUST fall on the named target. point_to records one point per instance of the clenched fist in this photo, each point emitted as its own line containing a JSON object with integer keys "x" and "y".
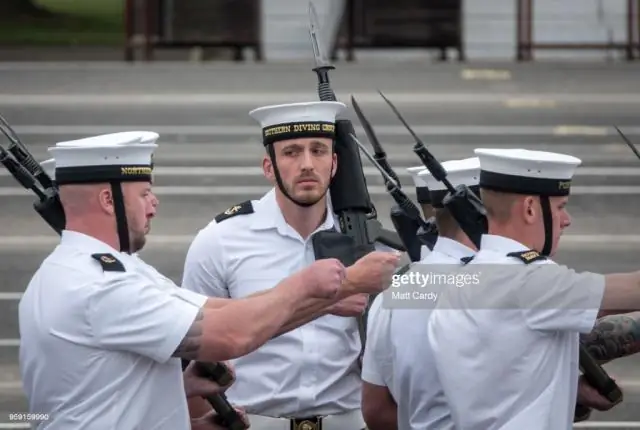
{"x": 589, "y": 397}
{"x": 324, "y": 278}
{"x": 372, "y": 273}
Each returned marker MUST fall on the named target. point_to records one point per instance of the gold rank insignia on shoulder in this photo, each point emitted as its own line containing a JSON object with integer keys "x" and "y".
{"x": 528, "y": 256}
{"x": 466, "y": 260}
{"x": 109, "y": 263}
{"x": 243, "y": 208}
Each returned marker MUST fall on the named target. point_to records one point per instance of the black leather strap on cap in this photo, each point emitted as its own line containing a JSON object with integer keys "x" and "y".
{"x": 548, "y": 225}
{"x": 121, "y": 216}
{"x": 276, "y": 172}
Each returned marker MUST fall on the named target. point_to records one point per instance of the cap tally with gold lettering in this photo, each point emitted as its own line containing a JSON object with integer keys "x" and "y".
{"x": 522, "y": 171}
{"x": 422, "y": 190}
{"x": 459, "y": 172}
{"x": 297, "y": 120}
{"x": 121, "y": 157}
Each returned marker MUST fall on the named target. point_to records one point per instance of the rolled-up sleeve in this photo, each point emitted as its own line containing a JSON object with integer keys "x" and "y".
{"x": 128, "y": 313}
{"x": 376, "y": 330}
{"x": 558, "y": 298}
{"x": 204, "y": 264}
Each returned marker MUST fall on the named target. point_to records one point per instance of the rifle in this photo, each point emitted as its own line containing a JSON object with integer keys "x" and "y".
{"x": 350, "y": 200}
{"x": 465, "y": 207}
{"x": 405, "y": 215}
{"x": 352, "y": 203}
{"x": 27, "y": 171}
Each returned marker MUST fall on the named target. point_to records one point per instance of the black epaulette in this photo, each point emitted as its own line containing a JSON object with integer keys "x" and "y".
{"x": 243, "y": 208}
{"x": 528, "y": 256}
{"x": 109, "y": 263}
{"x": 467, "y": 260}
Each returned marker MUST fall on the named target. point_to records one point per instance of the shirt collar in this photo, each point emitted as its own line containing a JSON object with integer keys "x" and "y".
{"x": 86, "y": 243}
{"x": 501, "y": 244}
{"x": 270, "y": 215}
{"x": 452, "y": 248}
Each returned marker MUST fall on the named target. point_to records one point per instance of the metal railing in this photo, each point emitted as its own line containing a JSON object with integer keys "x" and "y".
{"x": 429, "y": 24}
{"x": 175, "y": 24}
{"x": 525, "y": 44}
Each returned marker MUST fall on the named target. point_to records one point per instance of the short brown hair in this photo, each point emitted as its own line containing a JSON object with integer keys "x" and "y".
{"x": 498, "y": 205}
{"x": 447, "y": 225}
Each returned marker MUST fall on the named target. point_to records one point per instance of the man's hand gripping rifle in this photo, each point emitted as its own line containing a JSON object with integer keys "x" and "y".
{"x": 26, "y": 170}
{"x": 405, "y": 215}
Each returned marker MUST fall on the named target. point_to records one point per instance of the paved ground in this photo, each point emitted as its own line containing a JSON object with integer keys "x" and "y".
{"x": 209, "y": 154}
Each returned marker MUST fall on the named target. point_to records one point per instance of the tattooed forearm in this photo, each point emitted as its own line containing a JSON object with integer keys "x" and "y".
{"x": 614, "y": 337}
{"x": 189, "y": 348}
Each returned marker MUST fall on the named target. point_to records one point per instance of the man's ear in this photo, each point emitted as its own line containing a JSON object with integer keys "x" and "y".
{"x": 334, "y": 164}
{"x": 267, "y": 168}
{"x": 105, "y": 199}
{"x": 529, "y": 210}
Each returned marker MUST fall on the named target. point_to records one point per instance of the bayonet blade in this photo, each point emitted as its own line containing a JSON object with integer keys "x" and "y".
{"x": 415, "y": 136}
{"x": 319, "y": 54}
{"x": 386, "y": 176}
{"x": 8, "y": 132}
{"x": 628, "y": 142}
{"x": 368, "y": 129}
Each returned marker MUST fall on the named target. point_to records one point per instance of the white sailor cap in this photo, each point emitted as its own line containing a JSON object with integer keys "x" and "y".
{"x": 422, "y": 191}
{"x": 126, "y": 156}
{"x": 49, "y": 167}
{"x": 297, "y": 120}
{"x": 523, "y": 171}
{"x": 459, "y": 172}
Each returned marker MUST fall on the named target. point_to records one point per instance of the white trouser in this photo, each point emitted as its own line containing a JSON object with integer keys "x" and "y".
{"x": 351, "y": 420}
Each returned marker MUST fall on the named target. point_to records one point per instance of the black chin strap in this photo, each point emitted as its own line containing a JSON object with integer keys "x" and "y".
{"x": 272, "y": 155}
{"x": 121, "y": 216}
{"x": 548, "y": 225}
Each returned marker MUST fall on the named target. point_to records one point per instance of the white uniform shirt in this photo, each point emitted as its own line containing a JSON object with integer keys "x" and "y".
{"x": 507, "y": 348}
{"x": 377, "y": 360}
{"x": 312, "y": 370}
{"x": 424, "y": 252}
{"x": 398, "y": 355}
{"x": 96, "y": 345}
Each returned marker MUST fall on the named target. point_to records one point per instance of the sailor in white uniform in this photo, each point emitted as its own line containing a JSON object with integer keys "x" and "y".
{"x": 398, "y": 368}
{"x": 72, "y": 356}
{"x": 506, "y": 348}
{"x": 307, "y": 378}
{"x": 102, "y": 333}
